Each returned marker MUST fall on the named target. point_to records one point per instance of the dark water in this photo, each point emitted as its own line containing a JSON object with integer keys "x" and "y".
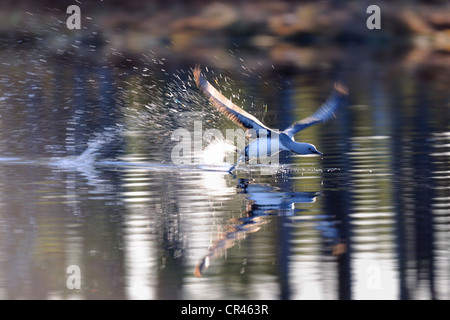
{"x": 87, "y": 181}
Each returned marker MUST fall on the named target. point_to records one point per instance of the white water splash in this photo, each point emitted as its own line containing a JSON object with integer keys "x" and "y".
{"x": 86, "y": 160}
{"x": 216, "y": 152}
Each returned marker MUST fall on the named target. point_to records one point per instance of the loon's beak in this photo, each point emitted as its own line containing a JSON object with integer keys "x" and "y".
{"x": 318, "y": 152}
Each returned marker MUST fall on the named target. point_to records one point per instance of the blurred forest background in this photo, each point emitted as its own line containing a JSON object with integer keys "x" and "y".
{"x": 287, "y": 33}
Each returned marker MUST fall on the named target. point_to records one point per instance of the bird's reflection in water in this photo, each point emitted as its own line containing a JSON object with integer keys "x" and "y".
{"x": 264, "y": 201}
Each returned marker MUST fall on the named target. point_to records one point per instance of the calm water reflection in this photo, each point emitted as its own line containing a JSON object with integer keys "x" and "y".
{"x": 87, "y": 181}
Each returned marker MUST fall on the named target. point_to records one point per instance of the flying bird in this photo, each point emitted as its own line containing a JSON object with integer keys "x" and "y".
{"x": 264, "y": 134}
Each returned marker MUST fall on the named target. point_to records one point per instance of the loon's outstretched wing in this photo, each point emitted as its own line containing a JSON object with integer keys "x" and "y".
{"x": 224, "y": 105}
{"x": 324, "y": 113}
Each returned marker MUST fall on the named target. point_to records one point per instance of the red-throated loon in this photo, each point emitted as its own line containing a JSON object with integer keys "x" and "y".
{"x": 285, "y": 137}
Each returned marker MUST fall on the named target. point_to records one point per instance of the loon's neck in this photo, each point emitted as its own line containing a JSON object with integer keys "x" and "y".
{"x": 287, "y": 143}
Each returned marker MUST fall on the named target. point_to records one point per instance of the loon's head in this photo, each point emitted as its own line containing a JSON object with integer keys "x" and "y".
{"x": 304, "y": 148}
